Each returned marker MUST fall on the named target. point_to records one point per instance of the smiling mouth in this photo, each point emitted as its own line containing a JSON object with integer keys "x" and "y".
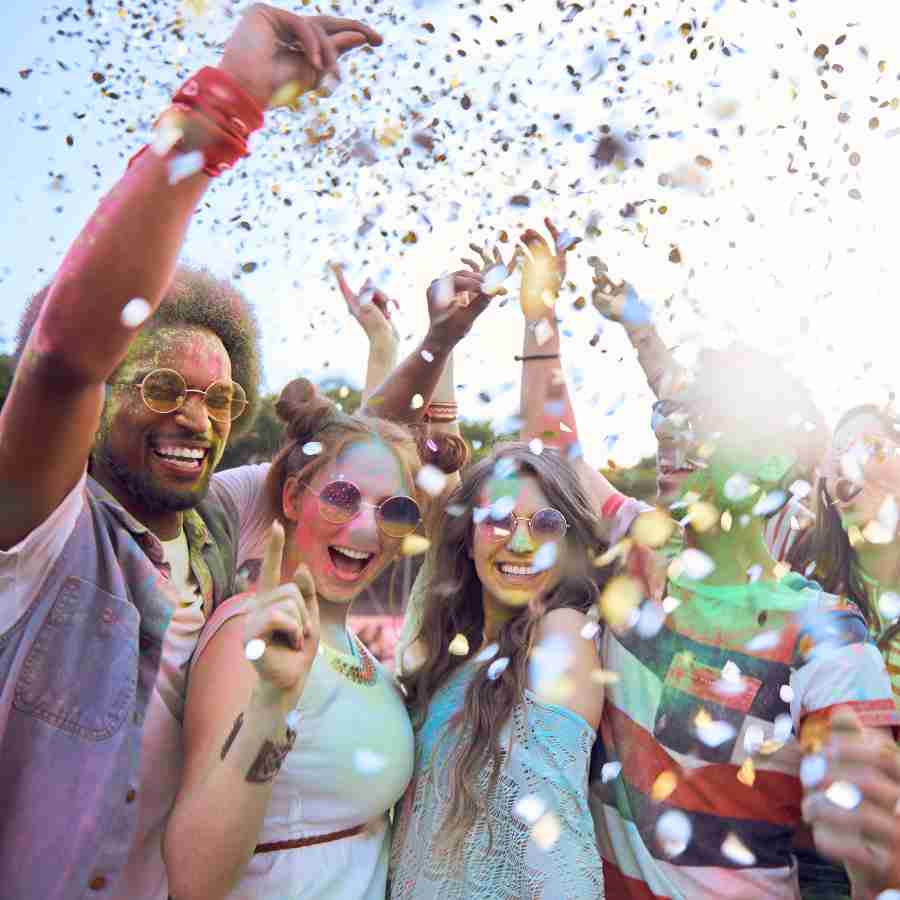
{"x": 189, "y": 460}
{"x": 516, "y": 570}
{"x": 349, "y": 564}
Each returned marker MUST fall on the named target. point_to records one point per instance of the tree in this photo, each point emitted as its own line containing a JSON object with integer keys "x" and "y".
{"x": 636, "y": 481}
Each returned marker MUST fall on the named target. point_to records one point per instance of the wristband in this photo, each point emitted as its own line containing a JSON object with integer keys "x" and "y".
{"x": 537, "y": 356}
{"x": 612, "y": 504}
{"x": 216, "y": 102}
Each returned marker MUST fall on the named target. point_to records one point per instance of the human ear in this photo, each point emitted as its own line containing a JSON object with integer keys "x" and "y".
{"x": 290, "y": 499}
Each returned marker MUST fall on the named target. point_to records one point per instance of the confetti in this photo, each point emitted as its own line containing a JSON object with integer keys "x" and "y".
{"x": 427, "y": 356}
{"x": 673, "y": 831}
{"x": 135, "y": 312}
{"x": 530, "y": 808}
{"x": 663, "y": 786}
{"x": 536, "y": 446}
{"x": 844, "y": 794}
{"x": 545, "y": 832}
{"x": 610, "y": 771}
{"x": 311, "y": 448}
{"x": 432, "y": 480}
{"x": 786, "y": 692}
{"x": 734, "y": 849}
{"x": 414, "y": 545}
{"x": 590, "y": 630}
{"x": 497, "y": 668}
{"x": 812, "y": 770}
{"x": 889, "y": 606}
{"x": 652, "y": 528}
{"x": 459, "y": 646}
{"x": 546, "y": 556}
{"x": 621, "y": 596}
{"x": 695, "y": 564}
{"x": 254, "y": 649}
{"x": 184, "y": 165}
{"x": 747, "y": 773}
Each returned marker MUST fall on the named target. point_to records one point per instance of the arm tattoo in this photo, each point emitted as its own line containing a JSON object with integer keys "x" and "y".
{"x": 268, "y": 763}
{"x": 238, "y": 722}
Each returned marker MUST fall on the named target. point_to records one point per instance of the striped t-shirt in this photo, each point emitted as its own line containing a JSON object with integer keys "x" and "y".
{"x": 695, "y": 786}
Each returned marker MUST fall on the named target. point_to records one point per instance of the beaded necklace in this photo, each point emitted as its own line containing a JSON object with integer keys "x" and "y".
{"x": 362, "y": 672}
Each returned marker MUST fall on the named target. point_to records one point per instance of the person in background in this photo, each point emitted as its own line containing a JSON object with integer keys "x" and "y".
{"x": 720, "y": 692}
{"x": 130, "y": 375}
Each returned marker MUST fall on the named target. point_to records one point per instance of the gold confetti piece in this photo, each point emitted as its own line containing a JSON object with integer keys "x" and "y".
{"x": 747, "y": 772}
{"x": 663, "y": 787}
{"x": 617, "y": 551}
{"x": 703, "y": 515}
{"x": 781, "y": 570}
{"x": 855, "y": 536}
{"x": 545, "y": 832}
{"x": 767, "y": 748}
{"x": 652, "y": 528}
{"x": 287, "y": 95}
{"x": 726, "y": 521}
{"x": 703, "y": 719}
{"x": 620, "y": 598}
{"x": 604, "y": 677}
{"x": 459, "y": 646}
{"x": 417, "y": 402}
{"x": 414, "y": 545}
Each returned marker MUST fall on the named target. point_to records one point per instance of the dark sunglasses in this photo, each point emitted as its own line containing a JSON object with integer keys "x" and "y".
{"x": 545, "y": 525}
{"x": 165, "y": 390}
{"x": 341, "y": 501}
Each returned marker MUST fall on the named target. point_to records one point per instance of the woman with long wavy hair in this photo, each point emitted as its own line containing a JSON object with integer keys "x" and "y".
{"x": 504, "y": 707}
{"x": 854, "y": 546}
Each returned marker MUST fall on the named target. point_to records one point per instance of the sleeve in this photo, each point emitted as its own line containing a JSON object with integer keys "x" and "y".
{"x": 24, "y": 566}
{"x": 233, "y": 606}
{"x": 243, "y": 491}
{"x": 404, "y": 655}
{"x": 841, "y": 668}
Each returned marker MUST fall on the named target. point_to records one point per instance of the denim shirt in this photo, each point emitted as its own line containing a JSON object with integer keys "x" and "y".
{"x": 76, "y": 672}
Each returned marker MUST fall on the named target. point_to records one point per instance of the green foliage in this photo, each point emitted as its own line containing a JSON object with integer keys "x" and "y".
{"x": 636, "y": 481}
{"x": 260, "y": 442}
{"x": 6, "y": 376}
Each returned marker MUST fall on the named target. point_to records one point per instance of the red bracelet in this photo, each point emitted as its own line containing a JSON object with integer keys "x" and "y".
{"x": 226, "y": 107}
{"x": 612, "y": 504}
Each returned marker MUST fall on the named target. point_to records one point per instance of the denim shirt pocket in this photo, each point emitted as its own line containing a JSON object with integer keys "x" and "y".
{"x": 81, "y": 673}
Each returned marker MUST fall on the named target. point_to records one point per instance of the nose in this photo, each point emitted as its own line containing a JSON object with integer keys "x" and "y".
{"x": 194, "y": 415}
{"x": 362, "y": 530}
{"x": 521, "y": 541}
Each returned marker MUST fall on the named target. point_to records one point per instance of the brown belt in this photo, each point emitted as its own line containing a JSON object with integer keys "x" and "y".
{"x": 309, "y": 841}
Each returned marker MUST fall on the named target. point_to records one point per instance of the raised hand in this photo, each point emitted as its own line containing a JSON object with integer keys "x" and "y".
{"x": 544, "y": 269}
{"x": 454, "y": 303}
{"x": 853, "y": 809}
{"x": 370, "y": 307}
{"x": 607, "y": 296}
{"x": 281, "y": 630}
{"x": 277, "y": 56}
{"x": 494, "y": 269}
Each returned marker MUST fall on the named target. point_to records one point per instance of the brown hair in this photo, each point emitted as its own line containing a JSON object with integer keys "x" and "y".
{"x": 312, "y": 419}
{"x": 195, "y": 298}
{"x": 453, "y": 605}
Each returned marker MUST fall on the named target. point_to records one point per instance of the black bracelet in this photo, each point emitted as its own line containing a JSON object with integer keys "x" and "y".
{"x": 537, "y": 356}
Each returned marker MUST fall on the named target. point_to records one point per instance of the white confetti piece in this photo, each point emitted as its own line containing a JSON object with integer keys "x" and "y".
{"x": 783, "y": 727}
{"x": 844, "y": 794}
{"x": 536, "y": 446}
{"x": 734, "y": 849}
{"x": 185, "y": 165}
{"x": 545, "y": 832}
{"x": 428, "y": 356}
{"x": 487, "y": 652}
{"x": 312, "y": 448}
{"x": 610, "y": 771}
{"x": 769, "y": 503}
{"x": 135, "y": 312}
{"x": 254, "y": 649}
{"x": 368, "y": 762}
{"x": 786, "y": 692}
{"x": 670, "y": 604}
{"x": 695, "y": 564}
{"x": 497, "y": 668}
{"x": 530, "y": 808}
{"x": 765, "y": 640}
{"x": 889, "y": 606}
{"x": 673, "y": 831}
{"x": 739, "y": 487}
{"x": 493, "y": 278}
{"x": 417, "y": 402}
{"x": 545, "y": 558}
{"x": 714, "y": 734}
{"x": 432, "y": 480}
{"x": 590, "y": 630}
{"x": 753, "y": 739}
{"x": 800, "y": 489}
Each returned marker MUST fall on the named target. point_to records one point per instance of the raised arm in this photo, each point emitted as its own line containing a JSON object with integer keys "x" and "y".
{"x": 619, "y": 302}
{"x": 124, "y": 259}
{"x": 371, "y": 307}
{"x": 454, "y": 303}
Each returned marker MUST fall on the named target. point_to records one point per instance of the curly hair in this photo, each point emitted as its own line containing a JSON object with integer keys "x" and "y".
{"x": 453, "y": 605}
{"x": 195, "y": 297}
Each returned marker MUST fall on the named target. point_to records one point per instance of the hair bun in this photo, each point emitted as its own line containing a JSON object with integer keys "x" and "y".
{"x": 447, "y": 452}
{"x": 303, "y": 409}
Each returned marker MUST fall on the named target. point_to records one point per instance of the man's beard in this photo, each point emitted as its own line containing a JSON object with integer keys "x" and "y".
{"x": 143, "y": 489}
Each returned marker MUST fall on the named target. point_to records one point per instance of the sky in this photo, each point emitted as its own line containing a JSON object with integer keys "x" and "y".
{"x": 758, "y": 139}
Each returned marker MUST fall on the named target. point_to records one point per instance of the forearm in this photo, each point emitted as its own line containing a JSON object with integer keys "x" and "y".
{"x": 546, "y": 406}
{"x": 215, "y": 824}
{"x": 656, "y": 360}
{"x": 382, "y": 361}
{"x": 127, "y": 250}
{"x": 410, "y": 387}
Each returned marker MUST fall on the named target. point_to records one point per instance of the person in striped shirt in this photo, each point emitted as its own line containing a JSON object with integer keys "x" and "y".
{"x": 717, "y": 693}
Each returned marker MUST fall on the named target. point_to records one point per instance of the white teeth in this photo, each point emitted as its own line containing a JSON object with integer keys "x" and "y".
{"x": 353, "y": 554}
{"x": 181, "y": 452}
{"x": 508, "y": 569}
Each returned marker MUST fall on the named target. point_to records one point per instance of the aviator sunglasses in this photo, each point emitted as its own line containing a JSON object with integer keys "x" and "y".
{"x": 545, "y": 525}
{"x": 341, "y": 501}
{"x": 165, "y": 390}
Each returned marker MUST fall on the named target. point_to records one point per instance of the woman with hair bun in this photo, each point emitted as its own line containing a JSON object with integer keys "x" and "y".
{"x": 297, "y": 742}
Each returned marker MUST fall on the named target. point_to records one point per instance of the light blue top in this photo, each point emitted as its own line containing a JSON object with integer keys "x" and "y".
{"x": 548, "y": 761}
